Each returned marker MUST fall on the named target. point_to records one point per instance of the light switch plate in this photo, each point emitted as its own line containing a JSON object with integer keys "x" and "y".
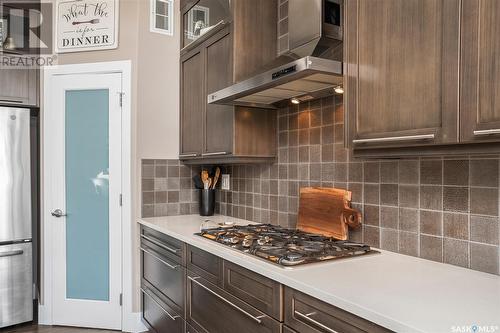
{"x": 225, "y": 182}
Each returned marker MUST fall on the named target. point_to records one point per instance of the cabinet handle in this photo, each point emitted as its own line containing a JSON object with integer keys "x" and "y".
{"x": 11, "y": 101}
{"x": 215, "y": 154}
{"x": 308, "y": 318}
{"x": 159, "y": 305}
{"x": 487, "y": 132}
{"x": 249, "y": 315}
{"x": 159, "y": 259}
{"x": 168, "y": 248}
{"x": 397, "y": 138}
{"x": 11, "y": 253}
{"x": 188, "y": 155}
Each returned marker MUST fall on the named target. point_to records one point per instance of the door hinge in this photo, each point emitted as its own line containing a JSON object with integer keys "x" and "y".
{"x": 121, "y": 299}
{"x": 121, "y": 97}
{"x": 121, "y": 200}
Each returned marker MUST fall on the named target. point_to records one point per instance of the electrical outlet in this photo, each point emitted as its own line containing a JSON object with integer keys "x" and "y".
{"x": 226, "y": 182}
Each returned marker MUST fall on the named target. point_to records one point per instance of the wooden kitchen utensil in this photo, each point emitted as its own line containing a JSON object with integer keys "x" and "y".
{"x": 204, "y": 179}
{"x": 216, "y": 177}
{"x": 327, "y": 211}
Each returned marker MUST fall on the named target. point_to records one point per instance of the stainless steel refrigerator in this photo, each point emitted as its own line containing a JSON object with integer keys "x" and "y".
{"x": 16, "y": 280}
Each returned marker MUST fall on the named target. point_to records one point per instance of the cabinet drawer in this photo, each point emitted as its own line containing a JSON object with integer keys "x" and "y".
{"x": 189, "y": 329}
{"x": 165, "y": 243}
{"x": 306, "y": 314}
{"x": 255, "y": 289}
{"x": 166, "y": 275}
{"x": 204, "y": 264}
{"x": 157, "y": 316}
{"x": 287, "y": 329}
{"x": 211, "y": 309}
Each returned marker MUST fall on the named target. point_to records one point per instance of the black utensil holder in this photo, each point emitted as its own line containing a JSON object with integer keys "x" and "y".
{"x": 207, "y": 202}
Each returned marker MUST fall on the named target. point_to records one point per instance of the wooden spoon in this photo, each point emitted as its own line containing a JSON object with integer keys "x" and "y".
{"x": 204, "y": 179}
{"x": 216, "y": 177}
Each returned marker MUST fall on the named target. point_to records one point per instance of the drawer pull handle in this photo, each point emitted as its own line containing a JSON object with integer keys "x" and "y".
{"x": 397, "y": 138}
{"x": 11, "y": 101}
{"x": 159, "y": 305}
{"x": 155, "y": 242}
{"x": 215, "y": 154}
{"x": 249, "y": 315}
{"x": 159, "y": 259}
{"x": 188, "y": 155}
{"x": 487, "y": 132}
{"x": 308, "y": 318}
{"x": 11, "y": 253}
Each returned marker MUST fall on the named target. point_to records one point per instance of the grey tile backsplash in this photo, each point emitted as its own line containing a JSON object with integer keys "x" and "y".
{"x": 444, "y": 209}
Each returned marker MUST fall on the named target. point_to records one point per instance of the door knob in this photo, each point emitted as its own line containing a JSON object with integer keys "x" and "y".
{"x": 57, "y": 213}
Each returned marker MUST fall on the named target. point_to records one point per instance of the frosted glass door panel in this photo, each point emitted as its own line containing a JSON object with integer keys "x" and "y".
{"x": 87, "y": 194}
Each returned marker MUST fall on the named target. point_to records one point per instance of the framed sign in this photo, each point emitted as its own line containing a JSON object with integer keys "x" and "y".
{"x": 86, "y": 25}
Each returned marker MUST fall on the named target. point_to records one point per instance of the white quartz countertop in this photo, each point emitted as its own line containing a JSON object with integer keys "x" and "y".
{"x": 401, "y": 293}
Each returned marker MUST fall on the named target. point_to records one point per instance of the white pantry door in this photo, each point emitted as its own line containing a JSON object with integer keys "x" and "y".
{"x": 84, "y": 159}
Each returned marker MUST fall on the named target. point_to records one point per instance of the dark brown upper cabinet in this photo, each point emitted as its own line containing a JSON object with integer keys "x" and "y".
{"x": 191, "y": 141}
{"x": 228, "y": 52}
{"x": 18, "y": 86}
{"x": 480, "y": 71}
{"x": 402, "y": 62}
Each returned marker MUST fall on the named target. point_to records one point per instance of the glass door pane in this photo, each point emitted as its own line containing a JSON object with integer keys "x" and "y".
{"x": 87, "y": 194}
{"x": 202, "y": 17}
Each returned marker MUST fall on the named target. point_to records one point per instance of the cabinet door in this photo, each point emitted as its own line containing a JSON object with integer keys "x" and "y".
{"x": 18, "y": 86}
{"x": 480, "y": 71}
{"x": 219, "y": 118}
{"x": 192, "y": 104}
{"x": 211, "y": 309}
{"x": 402, "y": 72}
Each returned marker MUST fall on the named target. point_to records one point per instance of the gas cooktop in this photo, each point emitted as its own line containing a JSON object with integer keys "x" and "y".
{"x": 286, "y": 247}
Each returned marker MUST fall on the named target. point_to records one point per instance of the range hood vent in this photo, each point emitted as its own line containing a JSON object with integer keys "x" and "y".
{"x": 309, "y": 43}
{"x": 308, "y": 76}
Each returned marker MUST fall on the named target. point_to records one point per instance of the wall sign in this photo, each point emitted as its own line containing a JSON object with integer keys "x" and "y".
{"x": 86, "y": 25}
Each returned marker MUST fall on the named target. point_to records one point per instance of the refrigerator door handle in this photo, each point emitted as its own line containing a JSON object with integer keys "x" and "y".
{"x": 11, "y": 253}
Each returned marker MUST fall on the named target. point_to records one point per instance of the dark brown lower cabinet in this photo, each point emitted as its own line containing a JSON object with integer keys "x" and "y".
{"x": 189, "y": 329}
{"x": 188, "y": 290}
{"x": 157, "y": 316}
{"x": 306, "y": 314}
{"x": 259, "y": 291}
{"x": 166, "y": 276}
{"x": 204, "y": 264}
{"x": 210, "y": 309}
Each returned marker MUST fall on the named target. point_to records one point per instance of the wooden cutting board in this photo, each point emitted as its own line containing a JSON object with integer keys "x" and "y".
{"x": 327, "y": 211}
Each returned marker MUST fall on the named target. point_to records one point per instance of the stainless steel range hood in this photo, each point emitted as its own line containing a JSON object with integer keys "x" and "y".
{"x": 302, "y": 77}
{"x": 310, "y": 62}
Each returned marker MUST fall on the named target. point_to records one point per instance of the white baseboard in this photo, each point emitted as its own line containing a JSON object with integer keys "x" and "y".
{"x": 133, "y": 323}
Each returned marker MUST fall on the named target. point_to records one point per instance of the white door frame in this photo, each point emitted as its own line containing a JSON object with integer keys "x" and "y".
{"x": 130, "y": 320}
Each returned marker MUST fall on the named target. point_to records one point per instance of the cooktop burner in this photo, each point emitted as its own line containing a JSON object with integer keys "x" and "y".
{"x": 287, "y": 247}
